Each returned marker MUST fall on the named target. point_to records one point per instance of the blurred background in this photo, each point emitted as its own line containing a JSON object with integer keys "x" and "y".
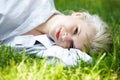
{"x": 108, "y": 10}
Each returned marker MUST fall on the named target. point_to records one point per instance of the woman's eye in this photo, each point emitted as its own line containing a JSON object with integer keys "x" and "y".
{"x": 76, "y": 30}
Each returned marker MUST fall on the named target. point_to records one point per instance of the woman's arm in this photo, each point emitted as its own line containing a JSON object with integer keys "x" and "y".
{"x": 67, "y": 57}
{"x": 44, "y": 48}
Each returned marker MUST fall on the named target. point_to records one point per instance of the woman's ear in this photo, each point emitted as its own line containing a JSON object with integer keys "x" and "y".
{"x": 78, "y": 14}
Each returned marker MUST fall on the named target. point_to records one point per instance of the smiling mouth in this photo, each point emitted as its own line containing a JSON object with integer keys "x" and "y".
{"x": 58, "y": 33}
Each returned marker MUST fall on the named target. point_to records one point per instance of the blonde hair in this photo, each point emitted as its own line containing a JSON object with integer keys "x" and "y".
{"x": 102, "y": 39}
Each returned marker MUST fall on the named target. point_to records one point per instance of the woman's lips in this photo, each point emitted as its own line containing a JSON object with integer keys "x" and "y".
{"x": 58, "y": 33}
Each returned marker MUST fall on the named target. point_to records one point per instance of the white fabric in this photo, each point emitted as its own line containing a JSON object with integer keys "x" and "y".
{"x": 20, "y": 16}
{"x": 67, "y": 57}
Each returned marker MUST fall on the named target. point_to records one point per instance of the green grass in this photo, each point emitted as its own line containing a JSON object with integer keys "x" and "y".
{"x": 15, "y": 66}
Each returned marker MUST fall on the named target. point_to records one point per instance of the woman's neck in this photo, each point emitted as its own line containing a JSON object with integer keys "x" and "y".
{"x": 44, "y": 28}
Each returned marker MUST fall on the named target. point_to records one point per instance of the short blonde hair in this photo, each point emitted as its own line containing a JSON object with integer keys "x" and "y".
{"x": 102, "y": 39}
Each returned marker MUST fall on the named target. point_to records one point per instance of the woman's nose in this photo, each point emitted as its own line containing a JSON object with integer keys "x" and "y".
{"x": 66, "y": 40}
{"x": 66, "y": 36}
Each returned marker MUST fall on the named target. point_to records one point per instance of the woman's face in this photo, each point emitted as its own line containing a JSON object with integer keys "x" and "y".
{"x": 72, "y": 32}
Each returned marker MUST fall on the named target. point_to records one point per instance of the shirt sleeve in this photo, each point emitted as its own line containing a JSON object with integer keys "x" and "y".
{"x": 2, "y": 8}
{"x": 66, "y": 57}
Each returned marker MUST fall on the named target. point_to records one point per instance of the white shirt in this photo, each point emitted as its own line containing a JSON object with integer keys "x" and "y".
{"x": 20, "y": 16}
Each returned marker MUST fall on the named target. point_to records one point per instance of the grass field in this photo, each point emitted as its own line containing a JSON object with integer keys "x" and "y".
{"x": 106, "y": 66}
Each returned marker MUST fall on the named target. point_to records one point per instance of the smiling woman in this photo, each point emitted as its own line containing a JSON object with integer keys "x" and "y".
{"x": 72, "y": 30}
{"x": 37, "y": 25}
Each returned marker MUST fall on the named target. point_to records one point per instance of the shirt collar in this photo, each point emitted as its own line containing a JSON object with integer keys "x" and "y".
{"x": 45, "y": 40}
